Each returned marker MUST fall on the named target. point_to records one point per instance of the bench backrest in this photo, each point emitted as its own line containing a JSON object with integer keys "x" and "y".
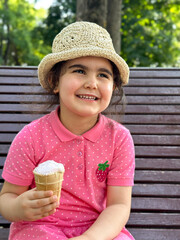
{"x": 153, "y": 117}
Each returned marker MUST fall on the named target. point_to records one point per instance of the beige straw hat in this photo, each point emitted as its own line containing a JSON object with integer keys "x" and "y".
{"x": 81, "y": 39}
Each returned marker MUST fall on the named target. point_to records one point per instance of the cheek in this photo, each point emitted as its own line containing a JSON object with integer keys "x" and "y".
{"x": 108, "y": 90}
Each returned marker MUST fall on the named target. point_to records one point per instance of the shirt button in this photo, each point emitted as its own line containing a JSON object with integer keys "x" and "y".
{"x": 78, "y": 141}
{"x": 80, "y": 154}
{"x": 80, "y": 167}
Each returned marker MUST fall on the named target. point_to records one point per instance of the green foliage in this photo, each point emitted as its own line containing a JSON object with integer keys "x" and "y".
{"x": 150, "y": 32}
{"x": 60, "y": 14}
{"x": 18, "y": 44}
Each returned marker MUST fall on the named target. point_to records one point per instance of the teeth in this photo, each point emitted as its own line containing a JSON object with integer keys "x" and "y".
{"x": 87, "y": 97}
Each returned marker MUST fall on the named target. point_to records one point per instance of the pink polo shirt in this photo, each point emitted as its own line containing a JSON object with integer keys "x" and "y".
{"x": 83, "y": 195}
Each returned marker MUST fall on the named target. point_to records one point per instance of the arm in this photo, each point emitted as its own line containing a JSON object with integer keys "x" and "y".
{"x": 111, "y": 221}
{"x": 18, "y": 203}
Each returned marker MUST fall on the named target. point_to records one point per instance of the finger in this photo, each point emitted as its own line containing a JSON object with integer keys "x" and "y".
{"x": 35, "y": 194}
{"x": 39, "y": 216}
{"x": 41, "y": 202}
{"x": 45, "y": 210}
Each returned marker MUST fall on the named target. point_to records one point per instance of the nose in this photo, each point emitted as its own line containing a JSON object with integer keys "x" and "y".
{"x": 91, "y": 82}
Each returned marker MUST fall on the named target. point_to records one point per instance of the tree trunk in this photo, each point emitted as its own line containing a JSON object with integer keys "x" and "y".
{"x": 92, "y": 11}
{"x": 114, "y": 22}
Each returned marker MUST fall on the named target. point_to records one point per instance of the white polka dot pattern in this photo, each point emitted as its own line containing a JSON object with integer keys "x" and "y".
{"x": 83, "y": 197}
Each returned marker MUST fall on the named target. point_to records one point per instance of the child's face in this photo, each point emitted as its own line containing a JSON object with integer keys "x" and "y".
{"x": 85, "y": 86}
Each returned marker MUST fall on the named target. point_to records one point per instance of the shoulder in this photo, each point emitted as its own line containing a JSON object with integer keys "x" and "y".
{"x": 115, "y": 127}
{"x": 34, "y": 127}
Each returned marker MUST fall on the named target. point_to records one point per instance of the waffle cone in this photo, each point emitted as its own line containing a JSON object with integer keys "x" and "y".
{"x": 51, "y": 182}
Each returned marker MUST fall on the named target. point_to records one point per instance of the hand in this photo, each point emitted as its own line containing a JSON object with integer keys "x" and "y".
{"x": 33, "y": 205}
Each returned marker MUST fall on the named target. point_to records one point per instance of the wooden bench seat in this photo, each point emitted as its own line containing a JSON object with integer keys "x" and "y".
{"x": 153, "y": 117}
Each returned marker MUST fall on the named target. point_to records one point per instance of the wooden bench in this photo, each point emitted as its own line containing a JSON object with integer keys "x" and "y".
{"x": 153, "y": 117}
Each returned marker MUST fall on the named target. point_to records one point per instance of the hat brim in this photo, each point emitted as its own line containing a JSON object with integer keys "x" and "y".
{"x": 51, "y": 59}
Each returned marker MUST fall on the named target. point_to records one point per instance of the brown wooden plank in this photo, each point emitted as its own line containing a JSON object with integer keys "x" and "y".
{"x": 19, "y": 118}
{"x": 155, "y": 72}
{"x": 10, "y": 98}
{"x": 133, "y": 109}
{"x": 18, "y": 71}
{"x": 152, "y": 119}
{"x": 11, "y": 127}
{"x": 152, "y": 176}
{"x": 157, "y": 151}
{"x": 4, "y": 149}
{"x": 3, "y": 221}
{"x": 4, "y": 233}
{"x": 21, "y": 89}
{"x": 151, "y": 100}
{"x": 9, "y": 80}
{"x": 22, "y": 107}
{"x": 156, "y": 190}
{"x": 145, "y": 176}
{"x": 154, "y": 234}
{"x": 144, "y": 163}
{"x": 153, "y": 129}
{"x": 153, "y": 91}
{"x": 167, "y": 140}
{"x": 157, "y": 163}
{"x": 157, "y": 220}
{"x": 155, "y": 204}
{"x": 134, "y": 129}
{"x": 160, "y": 81}
{"x": 126, "y": 119}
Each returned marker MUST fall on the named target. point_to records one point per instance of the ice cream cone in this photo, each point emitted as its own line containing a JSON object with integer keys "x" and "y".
{"x": 51, "y": 182}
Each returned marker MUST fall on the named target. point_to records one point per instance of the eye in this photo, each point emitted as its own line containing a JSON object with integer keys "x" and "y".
{"x": 103, "y": 75}
{"x": 80, "y": 71}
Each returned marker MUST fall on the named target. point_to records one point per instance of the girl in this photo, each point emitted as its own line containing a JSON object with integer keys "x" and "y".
{"x": 98, "y": 153}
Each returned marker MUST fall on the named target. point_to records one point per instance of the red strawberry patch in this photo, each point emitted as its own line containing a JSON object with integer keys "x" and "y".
{"x": 101, "y": 171}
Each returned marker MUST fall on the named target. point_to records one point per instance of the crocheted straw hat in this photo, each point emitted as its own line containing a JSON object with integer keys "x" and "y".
{"x": 81, "y": 39}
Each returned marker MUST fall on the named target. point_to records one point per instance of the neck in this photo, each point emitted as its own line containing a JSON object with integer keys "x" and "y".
{"x": 77, "y": 124}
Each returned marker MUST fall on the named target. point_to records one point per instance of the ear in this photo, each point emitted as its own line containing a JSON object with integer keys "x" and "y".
{"x": 56, "y": 90}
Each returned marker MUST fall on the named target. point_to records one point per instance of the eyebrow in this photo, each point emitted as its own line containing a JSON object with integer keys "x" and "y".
{"x": 86, "y": 68}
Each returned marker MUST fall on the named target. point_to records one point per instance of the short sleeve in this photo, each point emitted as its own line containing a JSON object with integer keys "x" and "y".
{"x": 19, "y": 164}
{"x": 121, "y": 171}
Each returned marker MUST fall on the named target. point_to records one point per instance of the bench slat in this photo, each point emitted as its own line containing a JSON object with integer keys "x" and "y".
{"x": 157, "y": 151}
{"x": 147, "y": 151}
{"x": 165, "y": 140}
{"x": 155, "y": 204}
{"x": 135, "y": 100}
{"x": 153, "y": 91}
{"x": 140, "y": 82}
{"x": 144, "y": 176}
{"x": 134, "y": 129}
{"x": 144, "y": 163}
{"x": 154, "y": 234}
{"x": 154, "y": 219}
{"x": 152, "y": 116}
{"x": 156, "y": 190}
{"x": 127, "y": 119}
{"x": 133, "y": 109}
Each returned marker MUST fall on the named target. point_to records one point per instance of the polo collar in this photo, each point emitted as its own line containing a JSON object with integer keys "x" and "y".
{"x": 65, "y": 135}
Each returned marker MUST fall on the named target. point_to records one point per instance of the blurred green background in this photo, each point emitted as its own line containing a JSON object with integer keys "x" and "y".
{"x": 150, "y": 30}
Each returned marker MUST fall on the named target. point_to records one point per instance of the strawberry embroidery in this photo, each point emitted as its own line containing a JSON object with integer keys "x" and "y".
{"x": 101, "y": 171}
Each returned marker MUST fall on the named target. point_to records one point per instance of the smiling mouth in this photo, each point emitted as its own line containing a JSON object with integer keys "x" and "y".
{"x": 87, "y": 97}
